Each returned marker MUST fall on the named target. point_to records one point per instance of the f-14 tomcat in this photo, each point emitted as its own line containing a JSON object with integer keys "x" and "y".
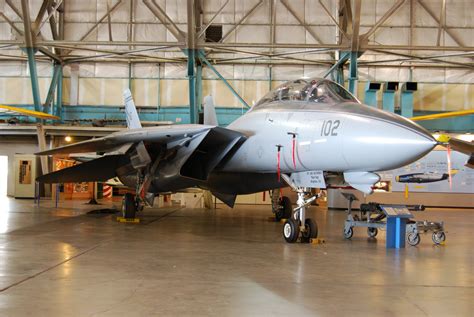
{"x": 297, "y": 135}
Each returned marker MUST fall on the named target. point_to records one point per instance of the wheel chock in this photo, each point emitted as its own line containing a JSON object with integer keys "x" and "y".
{"x": 317, "y": 241}
{"x": 128, "y": 220}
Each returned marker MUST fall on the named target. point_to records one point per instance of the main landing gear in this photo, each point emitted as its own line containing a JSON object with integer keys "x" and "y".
{"x": 281, "y": 206}
{"x": 298, "y": 226}
{"x": 130, "y": 206}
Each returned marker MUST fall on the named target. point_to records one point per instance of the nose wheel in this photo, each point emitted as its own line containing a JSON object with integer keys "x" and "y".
{"x": 298, "y": 226}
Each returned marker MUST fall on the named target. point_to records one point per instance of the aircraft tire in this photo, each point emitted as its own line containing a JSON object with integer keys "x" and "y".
{"x": 291, "y": 230}
{"x": 311, "y": 231}
{"x": 372, "y": 232}
{"x": 286, "y": 204}
{"x": 129, "y": 209}
{"x": 283, "y": 210}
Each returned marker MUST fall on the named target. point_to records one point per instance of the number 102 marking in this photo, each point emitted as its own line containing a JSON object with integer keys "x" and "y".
{"x": 329, "y": 127}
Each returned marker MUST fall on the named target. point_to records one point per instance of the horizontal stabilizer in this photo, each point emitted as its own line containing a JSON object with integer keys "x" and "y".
{"x": 101, "y": 169}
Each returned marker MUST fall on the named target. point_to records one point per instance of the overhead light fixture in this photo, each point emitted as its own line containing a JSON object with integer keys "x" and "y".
{"x": 68, "y": 138}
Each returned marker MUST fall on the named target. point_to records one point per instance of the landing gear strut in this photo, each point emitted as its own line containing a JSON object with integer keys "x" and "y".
{"x": 298, "y": 225}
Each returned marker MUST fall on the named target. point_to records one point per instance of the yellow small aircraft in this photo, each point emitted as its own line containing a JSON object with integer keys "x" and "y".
{"x": 443, "y": 115}
{"x": 26, "y": 112}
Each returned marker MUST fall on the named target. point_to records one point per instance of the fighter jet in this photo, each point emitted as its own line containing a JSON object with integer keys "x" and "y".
{"x": 296, "y": 135}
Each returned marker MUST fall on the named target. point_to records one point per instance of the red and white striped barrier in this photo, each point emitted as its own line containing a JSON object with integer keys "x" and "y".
{"x": 107, "y": 191}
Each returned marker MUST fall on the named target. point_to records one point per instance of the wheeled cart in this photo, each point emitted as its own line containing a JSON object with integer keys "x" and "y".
{"x": 414, "y": 228}
{"x": 375, "y": 216}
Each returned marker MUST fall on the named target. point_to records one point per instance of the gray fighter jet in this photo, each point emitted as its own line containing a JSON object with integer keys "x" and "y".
{"x": 297, "y": 135}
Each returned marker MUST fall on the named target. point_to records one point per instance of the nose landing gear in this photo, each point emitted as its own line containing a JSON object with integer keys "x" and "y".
{"x": 298, "y": 226}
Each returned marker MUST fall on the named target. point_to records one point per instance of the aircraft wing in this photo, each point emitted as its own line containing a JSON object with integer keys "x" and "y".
{"x": 114, "y": 141}
{"x": 26, "y": 112}
{"x": 184, "y": 154}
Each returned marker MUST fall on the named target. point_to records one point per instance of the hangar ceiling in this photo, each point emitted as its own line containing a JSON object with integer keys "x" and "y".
{"x": 395, "y": 37}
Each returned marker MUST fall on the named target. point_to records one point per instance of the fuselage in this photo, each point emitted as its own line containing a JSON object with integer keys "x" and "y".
{"x": 304, "y": 125}
{"x": 338, "y": 137}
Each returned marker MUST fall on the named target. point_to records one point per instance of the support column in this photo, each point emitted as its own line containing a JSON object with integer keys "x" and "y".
{"x": 353, "y": 73}
{"x": 199, "y": 86}
{"x": 59, "y": 96}
{"x": 193, "y": 114}
{"x": 34, "y": 78}
{"x": 30, "y": 51}
{"x": 48, "y": 104}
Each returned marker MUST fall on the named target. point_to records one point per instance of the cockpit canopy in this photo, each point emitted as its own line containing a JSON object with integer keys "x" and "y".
{"x": 308, "y": 90}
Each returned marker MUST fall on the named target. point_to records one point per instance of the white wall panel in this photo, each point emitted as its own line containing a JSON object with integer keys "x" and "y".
{"x": 327, "y": 34}
{"x": 87, "y": 70}
{"x": 459, "y": 76}
{"x": 143, "y": 14}
{"x": 111, "y": 70}
{"x": 429, "y": 75}
{"x": 11, "y": 69}
{"x": 146, "y": 71}
{"x": 422, "y": 17}
{"x": 174, "y": 71}
{"x": 250, "y": 34}
{"x": 314, "y": 71}
{"x": 120, "y": 14}
{"x": 81, "y": 11}
{"x": 259, "y": 16}
{"x": 367, "y": 13}
{"x": 75, "y": 31}
{"x": 398, "y": 36}
{"x": 457, "y": 15}
{"x": 177, "y": 10}
{"x": 227, "y": 71}
{"x": 290, "y": 34}
{"x": 6, "y": 32}
{"x": 287, "y": 72}
{"x": 212, "y": 6}
{"x": 400, "y": 18}
{"x": 251, "y": 72}
{"x": 285, "y": 17}
{"x": 147, "y": 32}
{"x": 315, "y": 14}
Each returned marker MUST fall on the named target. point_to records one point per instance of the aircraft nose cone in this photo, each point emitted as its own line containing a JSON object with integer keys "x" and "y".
{"x": 388, "y": 142}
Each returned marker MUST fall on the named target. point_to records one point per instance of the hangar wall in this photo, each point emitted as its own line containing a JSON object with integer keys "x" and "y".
{"x": 163, "y": 85}
{"x": 173, "y": 92}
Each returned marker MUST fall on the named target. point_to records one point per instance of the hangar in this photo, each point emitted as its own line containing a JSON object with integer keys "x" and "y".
{"x": 224, "y": 157}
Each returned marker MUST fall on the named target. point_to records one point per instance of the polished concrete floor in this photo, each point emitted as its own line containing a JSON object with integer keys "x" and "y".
{"x": 182, "y": 262}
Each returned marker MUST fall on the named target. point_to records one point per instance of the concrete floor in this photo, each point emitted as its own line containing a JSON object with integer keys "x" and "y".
{"x": 63, "y": 262}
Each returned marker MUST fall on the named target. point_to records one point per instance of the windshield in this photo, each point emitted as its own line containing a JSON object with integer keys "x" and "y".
{"x": 315, "y": 91}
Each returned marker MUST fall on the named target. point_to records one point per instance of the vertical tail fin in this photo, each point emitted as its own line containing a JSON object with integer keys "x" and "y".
{"x": 133, "y": 121}
{"x": 210, "y": 117}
